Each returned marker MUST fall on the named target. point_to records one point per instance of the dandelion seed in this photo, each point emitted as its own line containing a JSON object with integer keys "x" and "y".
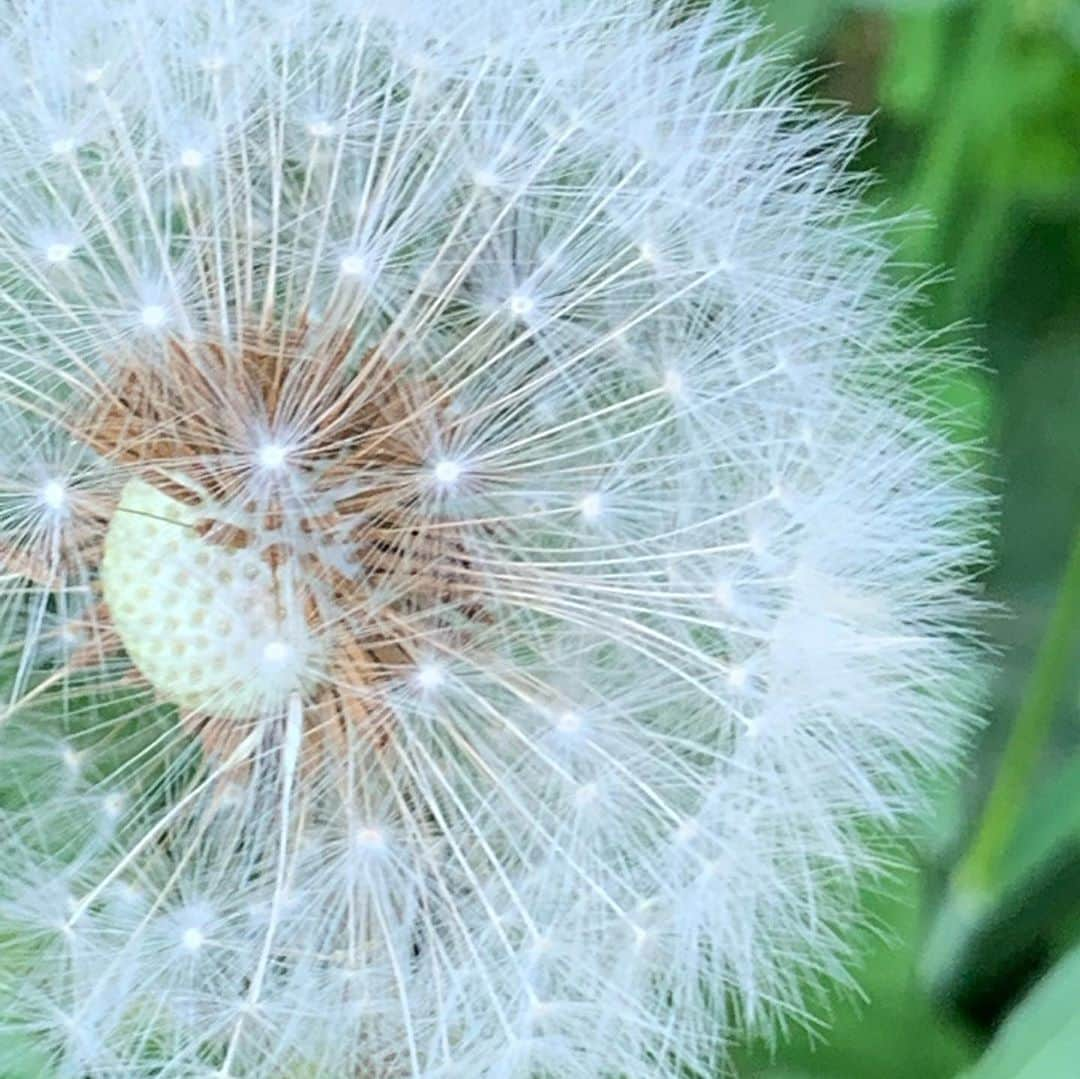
{"x": 58, "y": 252}
{"x": 192, "y": 940}
{"x": 592, "y": 506}
{"x": 673, "y": 383}
{"x": 569, "y": 723}
{"x": 370, "y": 839}
{"x": 430, "y": 675}
{"x": 272, "y": 455}
{"x": 153, "y": 316}
{"x": 275, "y": 652}
{"x": 521, "y": 306}
{"x": 72, "y": 760}
{"x": 353, "y": 266}
{"x": 54, "y": 495}
{"x": 447, "y": 472}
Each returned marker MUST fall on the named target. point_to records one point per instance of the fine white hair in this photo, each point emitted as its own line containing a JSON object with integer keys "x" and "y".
{"x": 541, "y": 353}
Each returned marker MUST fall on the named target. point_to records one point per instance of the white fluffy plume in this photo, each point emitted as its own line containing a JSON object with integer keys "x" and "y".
{"x": 478, "y": 568}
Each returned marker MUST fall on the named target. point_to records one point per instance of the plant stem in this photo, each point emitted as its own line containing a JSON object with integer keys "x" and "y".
{"x": 976, "y": 874}
{"x": 934, "y": 183}
{"x": 975, "y": 882}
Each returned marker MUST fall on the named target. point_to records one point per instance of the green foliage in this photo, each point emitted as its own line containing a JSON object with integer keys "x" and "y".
{"x": 1041, "y": 1039}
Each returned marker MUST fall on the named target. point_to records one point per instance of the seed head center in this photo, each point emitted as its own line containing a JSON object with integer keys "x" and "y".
{"x": 209, "y": 626}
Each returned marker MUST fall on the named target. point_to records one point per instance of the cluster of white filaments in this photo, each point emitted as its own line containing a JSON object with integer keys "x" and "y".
{"x": 475, "y": 566}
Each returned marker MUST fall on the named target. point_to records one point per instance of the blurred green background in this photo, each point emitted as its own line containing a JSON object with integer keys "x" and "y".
{"x": 972, "y": 966}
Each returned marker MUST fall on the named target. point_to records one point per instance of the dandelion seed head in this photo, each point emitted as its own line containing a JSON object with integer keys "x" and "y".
{"x": 202, "y": 621}
{"x": 473, "y": 554}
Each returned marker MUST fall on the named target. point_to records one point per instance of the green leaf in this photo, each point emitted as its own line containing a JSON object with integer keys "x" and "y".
{"x": 1049, "y": 827}
{"x": 1042, "y": 1036}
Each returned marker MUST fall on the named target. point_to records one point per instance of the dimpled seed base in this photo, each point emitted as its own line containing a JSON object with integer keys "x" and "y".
{"x": 203, "y": 622}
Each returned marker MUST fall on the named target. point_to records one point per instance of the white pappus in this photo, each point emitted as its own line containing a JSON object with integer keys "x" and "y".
{"x": 480, "y": 574}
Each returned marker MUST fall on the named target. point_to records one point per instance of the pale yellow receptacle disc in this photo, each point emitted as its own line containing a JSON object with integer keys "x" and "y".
{"x": 213, "y": 628}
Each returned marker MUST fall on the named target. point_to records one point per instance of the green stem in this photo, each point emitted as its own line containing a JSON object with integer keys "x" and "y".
{"x": 934, "y": 184}
{"x": 975, "y": 264}
{"x": 976, "y": 874}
